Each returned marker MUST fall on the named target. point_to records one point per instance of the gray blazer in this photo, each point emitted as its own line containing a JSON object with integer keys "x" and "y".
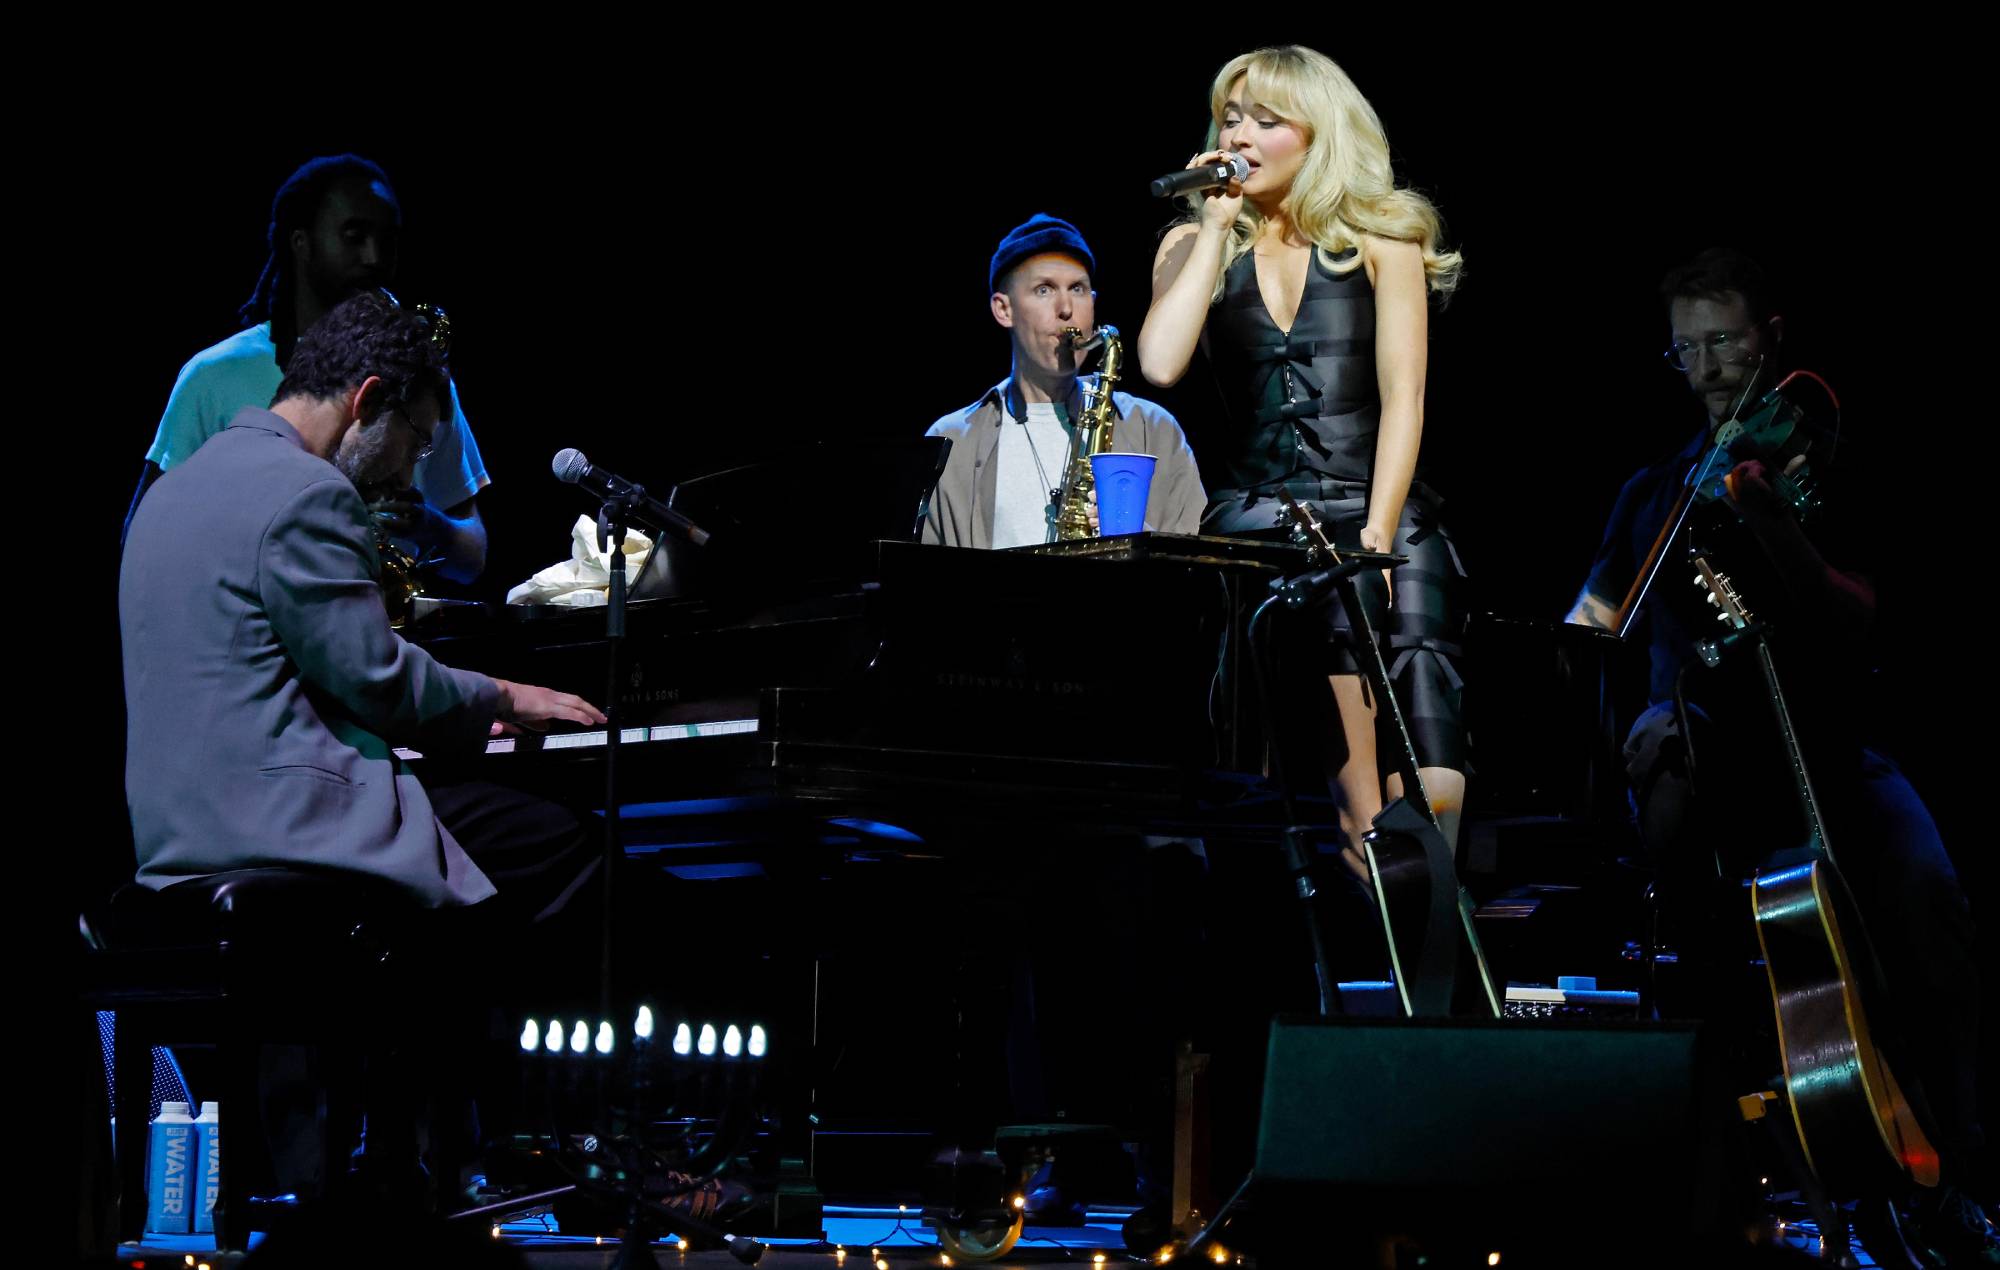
{"x": 263, "y": 686}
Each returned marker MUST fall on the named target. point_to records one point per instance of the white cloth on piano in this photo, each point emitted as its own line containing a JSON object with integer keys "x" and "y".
{"x": 583, "y": 580}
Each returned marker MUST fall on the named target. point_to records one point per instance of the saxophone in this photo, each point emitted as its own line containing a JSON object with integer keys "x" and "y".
{"x": 1093, "y": 434}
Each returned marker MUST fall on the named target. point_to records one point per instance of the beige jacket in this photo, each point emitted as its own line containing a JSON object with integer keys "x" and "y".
{"x": 961, "y": 509}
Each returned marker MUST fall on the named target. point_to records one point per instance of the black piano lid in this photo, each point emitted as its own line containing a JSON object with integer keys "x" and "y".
{"x": 814, "y": 514}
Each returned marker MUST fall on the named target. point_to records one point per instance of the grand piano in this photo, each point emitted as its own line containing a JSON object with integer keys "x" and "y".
{"x": 1100, "y": 683}
{"x": 838, "y": 683}
{"x": 816, "y": 662}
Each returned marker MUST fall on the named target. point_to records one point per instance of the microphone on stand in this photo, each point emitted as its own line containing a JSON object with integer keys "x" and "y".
{"x": 572, "y": 468}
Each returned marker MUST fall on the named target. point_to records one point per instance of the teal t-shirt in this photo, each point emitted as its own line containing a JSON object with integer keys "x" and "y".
{"x": 243, "y": 371}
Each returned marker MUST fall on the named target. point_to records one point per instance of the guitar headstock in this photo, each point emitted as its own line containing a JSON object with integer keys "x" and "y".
{"x": 1307, "y": 531}
{"x": 1721, "y": 592}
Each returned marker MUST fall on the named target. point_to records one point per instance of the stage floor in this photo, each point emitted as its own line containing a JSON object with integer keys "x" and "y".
{"x": 898, "y": 1238}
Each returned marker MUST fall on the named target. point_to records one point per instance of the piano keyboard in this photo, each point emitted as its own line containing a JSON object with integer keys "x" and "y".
{"x": 597, "y": 740}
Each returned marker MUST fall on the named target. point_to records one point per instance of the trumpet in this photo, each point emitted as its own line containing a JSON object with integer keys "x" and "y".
{"x": 399, "y": 581}
{"x": 398, "y": 573}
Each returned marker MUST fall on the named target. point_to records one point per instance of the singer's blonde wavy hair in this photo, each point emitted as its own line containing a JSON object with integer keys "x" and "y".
{"x": 1344, "y": 187}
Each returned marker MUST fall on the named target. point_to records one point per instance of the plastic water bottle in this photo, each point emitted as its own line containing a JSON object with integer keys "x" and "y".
{"x": 170, "y": 1165}
{"x": 208, "y": 1166}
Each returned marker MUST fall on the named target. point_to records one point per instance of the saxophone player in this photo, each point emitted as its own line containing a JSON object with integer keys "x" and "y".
{"x": 1010, "y": 451}
{"x": 1011, "y": 448}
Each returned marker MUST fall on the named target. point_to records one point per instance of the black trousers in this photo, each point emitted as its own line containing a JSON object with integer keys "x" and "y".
{"x": 540, "y": 856}
{"x": 530, "y": 949}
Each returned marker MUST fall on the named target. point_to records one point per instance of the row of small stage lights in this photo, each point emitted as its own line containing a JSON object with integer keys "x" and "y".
{"x": 733, "y": 1040}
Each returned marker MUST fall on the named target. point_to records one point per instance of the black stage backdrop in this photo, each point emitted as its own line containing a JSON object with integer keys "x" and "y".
{"x": 676, "y": 255}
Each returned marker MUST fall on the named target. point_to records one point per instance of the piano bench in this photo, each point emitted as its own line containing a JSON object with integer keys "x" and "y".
{"x": 236, "y": 961}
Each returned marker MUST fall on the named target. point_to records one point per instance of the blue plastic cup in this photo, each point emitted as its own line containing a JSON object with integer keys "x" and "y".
{"x": 1123, "y": 481}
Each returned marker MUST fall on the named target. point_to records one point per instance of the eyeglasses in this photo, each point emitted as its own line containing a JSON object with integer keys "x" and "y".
{"x": 424, "y": 443}
{"x": 434, "y": 321}
{"x": 1726, "y": 347}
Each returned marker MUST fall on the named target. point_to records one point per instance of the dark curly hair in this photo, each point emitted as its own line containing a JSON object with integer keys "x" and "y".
{"x": 1716, "y": 273}
{"x": 368, "y": 334}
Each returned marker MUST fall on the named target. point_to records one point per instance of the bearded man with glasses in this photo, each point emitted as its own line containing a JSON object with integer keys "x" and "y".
{"x": 266, "y": 698}
{"x": 1716, "y": 803}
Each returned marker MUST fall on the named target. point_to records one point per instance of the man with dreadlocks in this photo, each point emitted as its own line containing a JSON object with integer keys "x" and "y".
{"x": 333, "y": 234}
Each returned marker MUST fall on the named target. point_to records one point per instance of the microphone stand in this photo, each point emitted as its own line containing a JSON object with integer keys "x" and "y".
{"x": 613, "y": 520}
{"x": 622, "y": 506}
{"x": 625, "y": 1197}
{"x": 1297, "y": 843}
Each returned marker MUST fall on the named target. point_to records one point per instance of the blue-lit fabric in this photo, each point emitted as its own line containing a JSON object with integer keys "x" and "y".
{"x": 168, "y": 1085}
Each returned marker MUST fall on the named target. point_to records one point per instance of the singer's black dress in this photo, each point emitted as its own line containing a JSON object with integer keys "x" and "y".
{"x": 1299, "y": 412}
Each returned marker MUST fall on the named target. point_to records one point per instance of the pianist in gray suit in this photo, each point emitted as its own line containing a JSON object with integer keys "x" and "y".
{"x": 264, "y": 687}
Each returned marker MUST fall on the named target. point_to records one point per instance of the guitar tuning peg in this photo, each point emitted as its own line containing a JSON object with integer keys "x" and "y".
{"x": 1722, "y": 617}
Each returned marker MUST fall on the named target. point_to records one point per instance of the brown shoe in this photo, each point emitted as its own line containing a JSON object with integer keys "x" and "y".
{"x": 712, "y": 1200}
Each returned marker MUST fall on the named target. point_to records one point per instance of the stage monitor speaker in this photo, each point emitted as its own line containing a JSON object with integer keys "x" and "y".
{"x": 1495, "y": 1130}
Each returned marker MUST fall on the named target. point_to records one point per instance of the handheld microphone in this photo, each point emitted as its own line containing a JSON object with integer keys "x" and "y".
{"x": 1209, "y": 177}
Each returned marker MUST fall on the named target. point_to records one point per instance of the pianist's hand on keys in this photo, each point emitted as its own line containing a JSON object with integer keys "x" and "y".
{"x": 535, "y": 708}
